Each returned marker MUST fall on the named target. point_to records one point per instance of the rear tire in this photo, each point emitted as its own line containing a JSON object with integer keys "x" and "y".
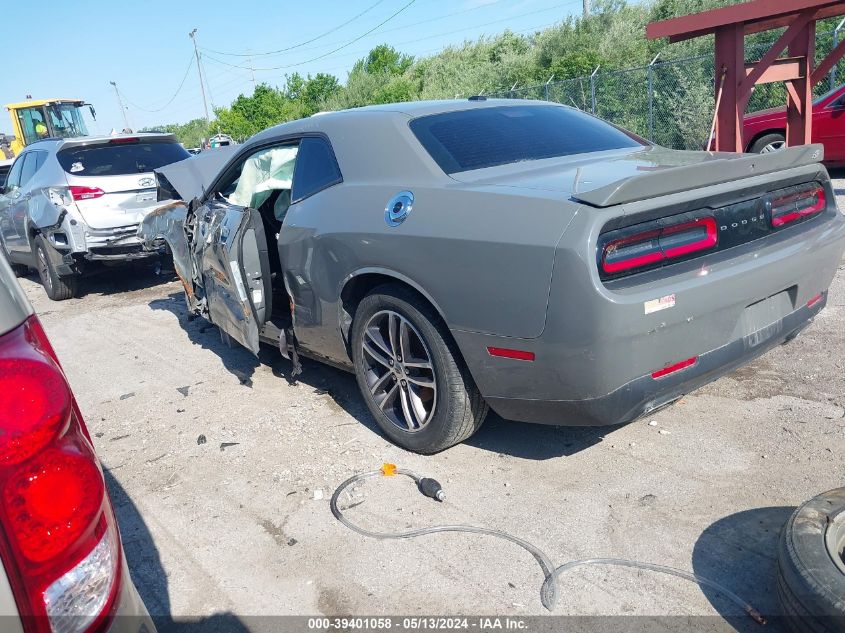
{"x": 768, "y": 143}
{"x": 57, "y": 288}
{"x": 431, "y": 386}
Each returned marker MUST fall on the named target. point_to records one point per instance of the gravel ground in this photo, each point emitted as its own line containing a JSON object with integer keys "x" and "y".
{"x": 221, "y": 472}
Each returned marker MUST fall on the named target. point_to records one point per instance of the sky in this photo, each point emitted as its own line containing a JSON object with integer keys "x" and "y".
{"x": 146, "y": 50}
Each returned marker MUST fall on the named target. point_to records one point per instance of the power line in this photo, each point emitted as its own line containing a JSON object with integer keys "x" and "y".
{"x": 441, "y": 49}
{"x": 390, "y": 30}
{"x": 242, "y": 80}
{"x": 175, "y": 94}
{"x": 323, "y": 56}
{"x": 241, "y": 73}
{"x": 421, "y": 39}
{"x": 443, "y": 17}
{"x": 290, "y": 48}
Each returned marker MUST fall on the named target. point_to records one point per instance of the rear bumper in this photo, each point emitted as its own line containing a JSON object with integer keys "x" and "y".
{"x": 73, "y": 241}
{"x": 115, "y": 244}
{"x": 602, "y": 340}
{"x": 121, "y": 252}
{"x": 646, "y": 394}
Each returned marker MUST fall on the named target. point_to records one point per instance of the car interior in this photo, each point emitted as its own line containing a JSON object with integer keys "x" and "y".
{"x": 264, "y": 184}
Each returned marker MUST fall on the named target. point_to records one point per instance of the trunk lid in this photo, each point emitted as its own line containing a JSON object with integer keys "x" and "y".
{"x": 126, "y": 200}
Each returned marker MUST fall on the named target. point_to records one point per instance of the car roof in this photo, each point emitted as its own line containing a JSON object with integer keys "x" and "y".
{"x": 423, "y": 108}
{"x": 409, "y": 109}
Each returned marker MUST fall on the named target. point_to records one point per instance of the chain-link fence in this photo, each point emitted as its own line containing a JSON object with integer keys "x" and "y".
{"x": 668, "y": 102}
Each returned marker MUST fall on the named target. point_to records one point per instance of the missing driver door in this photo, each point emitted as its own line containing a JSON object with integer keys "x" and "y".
{"x": 235, "y": 270}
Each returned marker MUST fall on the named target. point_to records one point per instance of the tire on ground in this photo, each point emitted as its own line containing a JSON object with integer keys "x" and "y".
{"x": 765, "y": 140}
{"x": 457, "y": 415}
{"x": 811, "y": 585}
{"x": 57, "y": 288}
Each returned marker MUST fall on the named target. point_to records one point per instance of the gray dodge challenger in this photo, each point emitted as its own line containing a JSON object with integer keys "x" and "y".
{"x": 515, "y": 255}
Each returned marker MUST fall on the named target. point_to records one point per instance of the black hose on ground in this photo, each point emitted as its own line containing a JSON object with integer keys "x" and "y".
{"x": 548, "y": 592}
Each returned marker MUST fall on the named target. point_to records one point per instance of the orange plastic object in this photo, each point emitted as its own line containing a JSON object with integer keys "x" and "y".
{"x": 388, "y": 470}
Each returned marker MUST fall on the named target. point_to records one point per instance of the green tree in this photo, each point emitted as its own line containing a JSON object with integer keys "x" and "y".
{"x": 384, "y": 59}
{"x": 190, "y": 134}
{"x": 611, "y": 38}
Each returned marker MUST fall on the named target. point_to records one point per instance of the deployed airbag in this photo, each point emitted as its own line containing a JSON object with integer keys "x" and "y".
{"x": 263, "y": 173}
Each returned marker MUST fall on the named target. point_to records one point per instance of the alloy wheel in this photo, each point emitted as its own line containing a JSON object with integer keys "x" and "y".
{"x": 399, "y": 371}
{"x": 773, "y": 147}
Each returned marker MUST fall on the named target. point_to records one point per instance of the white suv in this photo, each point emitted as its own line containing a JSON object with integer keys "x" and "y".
{"x": 71, "y": 203}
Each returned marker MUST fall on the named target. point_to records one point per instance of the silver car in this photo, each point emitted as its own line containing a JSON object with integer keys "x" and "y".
{"x": 62, "y": 567}
{"x": 70, "y": 203}
{"x": 516, "y": 255}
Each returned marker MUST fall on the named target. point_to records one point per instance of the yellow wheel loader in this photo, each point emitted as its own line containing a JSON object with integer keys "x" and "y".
{"x": 35, "y": 119}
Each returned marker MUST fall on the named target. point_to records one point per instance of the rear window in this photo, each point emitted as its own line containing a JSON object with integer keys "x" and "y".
{"x": 118, "y": 159}
{"x": 474, "y": 139}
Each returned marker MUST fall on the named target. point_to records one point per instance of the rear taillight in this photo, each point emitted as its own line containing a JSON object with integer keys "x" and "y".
{"x": 796, "y": 203}
{"x": 59, "y": 541}
{"x": 647, "y": 248}
{"x": 85, "y": 193}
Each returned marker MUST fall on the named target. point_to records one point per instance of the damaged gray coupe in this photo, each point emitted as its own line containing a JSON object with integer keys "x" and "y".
{"x": 521, "y": 256}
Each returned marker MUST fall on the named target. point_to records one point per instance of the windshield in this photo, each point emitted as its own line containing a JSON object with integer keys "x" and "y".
{"x": 66, "y": 120}
{"x": 485, "y": 137}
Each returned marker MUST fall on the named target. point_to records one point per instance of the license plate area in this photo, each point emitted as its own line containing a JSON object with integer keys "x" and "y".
{"x": 763, "y": 320}
{"x": 146, "y": 196}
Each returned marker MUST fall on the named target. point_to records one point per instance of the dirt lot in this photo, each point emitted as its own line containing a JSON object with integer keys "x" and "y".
{"x": 239, "y": 524}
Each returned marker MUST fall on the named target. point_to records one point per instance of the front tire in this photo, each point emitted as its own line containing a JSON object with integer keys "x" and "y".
{"x": 768, "y": 143}
{"x": 57, "y": 288}
{"x": 410, "y": 373}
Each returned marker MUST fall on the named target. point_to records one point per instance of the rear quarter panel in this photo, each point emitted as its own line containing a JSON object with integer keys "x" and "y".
{"x": 483, "y": 257}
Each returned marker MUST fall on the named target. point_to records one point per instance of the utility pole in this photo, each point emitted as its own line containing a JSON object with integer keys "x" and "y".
{"x": 192, "y": 35}
{"x": 586, "y": 8}
{"x": 251, "y": 69}
{"x": 126, "y": 125}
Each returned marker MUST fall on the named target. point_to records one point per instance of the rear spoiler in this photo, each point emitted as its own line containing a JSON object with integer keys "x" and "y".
{"x": 718, "y": 170}
{"x": 144, "y": 137}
